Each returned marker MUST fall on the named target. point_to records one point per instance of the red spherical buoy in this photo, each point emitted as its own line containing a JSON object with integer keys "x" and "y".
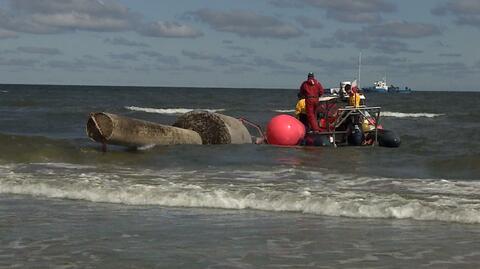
{"x": 285, "y": 130}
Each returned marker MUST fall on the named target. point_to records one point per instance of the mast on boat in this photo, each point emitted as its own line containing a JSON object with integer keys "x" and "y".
{"x": 359, "y": 66}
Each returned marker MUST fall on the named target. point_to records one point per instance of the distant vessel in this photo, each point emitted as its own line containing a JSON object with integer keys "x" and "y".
{"x": 381, "y": 86}
{"x": 378, "y": 86}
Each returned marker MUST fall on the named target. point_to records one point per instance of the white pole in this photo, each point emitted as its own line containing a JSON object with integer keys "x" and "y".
{"x": 359, "y": 66}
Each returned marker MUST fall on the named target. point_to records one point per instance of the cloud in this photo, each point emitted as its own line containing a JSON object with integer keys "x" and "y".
{"x": 53, "y": 16}
{"x": 359, "y": 38}
{"x": 385, "y": 37}
{"x": 66, "y": 65}
{"x": 39, "y": 50}
{"x": 270, "y": 63}
{"x": 247, "y": 24}
{"x": 215, "y": 59}
{"x": 108, "y": 8}
{"x": 458, "y": 7}
{"x": 402, "y": 30}
{"x": 239, "y": 70}
{"x": 194, "y": 68}
{"x": 330, "y": 67}
{"x": 458, "y": 69}
{"x": 308, "y": 22}
{"x": 24, "y": 24}
{"x": 469, "y": 20}
{"x": 353, "y": 6}
{"x": 59, "y": 16}
{"x": 327, "y": 70}
{"x": 123, "y": 56}
{"x": 393, "y": 46}
{"x": 298, "y": 58}
{"x": 243, "y": 50}
{"x": 453, "y": 55}
{"x": 361, "y": 17}
{"x": 121, "y": 41}
{"x": 439, "y": 44}
{"x": 161, "y": 58}
{"x": 348, "y": 11}
{"x": 287, "y": 3}
{"x": 177, "y": 68}
{"x": 79, "y": 21}
{"x": 169, "y": 29}
{"x": 4, "y": 34}
{"x": 465, "y": 12}
{"x": 86, "y": 62}
{"x": 383, "y": 45}
{"x": 403, "y": 65}
{"x": 326, "y": 43}
{"x": 383, "y": 61}
{"x": 18, "y": 62}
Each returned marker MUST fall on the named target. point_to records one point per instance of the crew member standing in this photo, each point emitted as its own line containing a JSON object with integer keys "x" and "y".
{"x": 311, "y": 90}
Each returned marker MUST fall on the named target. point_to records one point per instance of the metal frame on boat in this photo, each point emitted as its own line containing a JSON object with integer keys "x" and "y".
{"x": 345, "y": 113}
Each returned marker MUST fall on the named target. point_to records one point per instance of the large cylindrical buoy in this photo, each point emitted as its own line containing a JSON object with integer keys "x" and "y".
{"x": 215, "y": 128}
{"x": 285, "y": 130}
{"x": 113, "y": 129}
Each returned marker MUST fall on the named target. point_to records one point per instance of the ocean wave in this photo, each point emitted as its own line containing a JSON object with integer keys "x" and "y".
{"x": 385, "y": 114}
{"x": 169, "y": 111}
{"x": 284, "y": 110}
{"x": 410, "y": 115}
{"x": 306, "y": 192}
{"x": 3, "y": 91}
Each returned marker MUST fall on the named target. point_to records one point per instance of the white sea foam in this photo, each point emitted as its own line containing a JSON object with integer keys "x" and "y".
{"x": 64, "y": 165}
{"x": 3, "y": 91}
{"x": 312, "y": 193}
{"x": 285, "y": 110}
{"x": 168, "y": 111}
{"x": 385, "y": 114}
{"x": 410, "y": 115}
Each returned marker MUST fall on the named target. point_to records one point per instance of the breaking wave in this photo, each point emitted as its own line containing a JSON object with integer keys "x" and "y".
{"x": 168, "y": 111}
{"x": 288, "y": 190}
{"x": 410, "y": 115}
{"x": 285, "y": 110}
{"x": 385, "y": 114}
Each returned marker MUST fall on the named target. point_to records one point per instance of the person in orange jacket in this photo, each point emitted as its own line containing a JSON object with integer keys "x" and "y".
{"x": 311, "y": 90}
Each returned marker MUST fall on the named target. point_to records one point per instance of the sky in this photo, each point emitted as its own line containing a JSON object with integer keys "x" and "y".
{"x": 423, "y": 44}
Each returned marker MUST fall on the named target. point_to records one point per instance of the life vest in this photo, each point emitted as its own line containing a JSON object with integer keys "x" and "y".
{"x": 354, "y": 99}
{"x": 300, "y": 108}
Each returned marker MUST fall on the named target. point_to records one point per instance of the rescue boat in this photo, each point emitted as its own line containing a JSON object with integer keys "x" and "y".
{"x": 354, "y": 124}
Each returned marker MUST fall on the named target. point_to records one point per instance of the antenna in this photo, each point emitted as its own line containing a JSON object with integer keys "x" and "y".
{"x": 359, "y": 66}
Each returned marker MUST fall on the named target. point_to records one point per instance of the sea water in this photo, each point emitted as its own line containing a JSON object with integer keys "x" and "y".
{"x": 64, "y": 203}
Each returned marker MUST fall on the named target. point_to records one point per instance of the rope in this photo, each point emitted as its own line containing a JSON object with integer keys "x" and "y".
{"x": 256, "y": 126}
{"x": 92, "y": 116}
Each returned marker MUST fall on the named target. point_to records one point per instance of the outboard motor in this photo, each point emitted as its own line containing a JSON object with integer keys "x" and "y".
{"x": 356, "y": 137}
{"x": 317, "y": 140}
{"x": 388, "y": 138}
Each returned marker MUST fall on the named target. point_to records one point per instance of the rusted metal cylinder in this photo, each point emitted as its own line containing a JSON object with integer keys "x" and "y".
{"x": 215, "y": 128}
{"x": 113, "y": 129}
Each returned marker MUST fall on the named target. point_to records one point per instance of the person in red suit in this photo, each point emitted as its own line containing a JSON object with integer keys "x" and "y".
{"x": 311, "y": 90}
